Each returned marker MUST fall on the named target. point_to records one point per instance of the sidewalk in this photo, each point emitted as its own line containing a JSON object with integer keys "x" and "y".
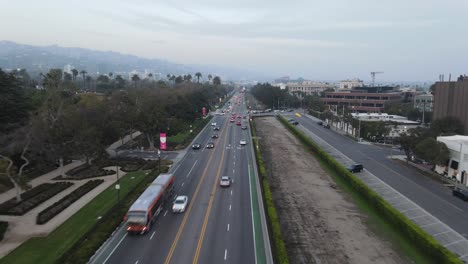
{"x": 335, "y": 128}
{"x": 111, "y": 150}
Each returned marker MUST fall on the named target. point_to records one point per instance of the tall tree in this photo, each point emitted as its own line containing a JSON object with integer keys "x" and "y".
{"x": 74, "y": 74}
{"x": 53, "y": 79}
{"x": 217, "y": 80}
{"x": 447, "y": 126}
{"x": 14, "y": 104}
{"x": 198, "y": 75}
{"x": 210, "y": 77}
{"x": 83, "y": 74}
{"x": 433, "y": 151}
{"x": 135, "y": 79}
{"x": 179, "y": 79}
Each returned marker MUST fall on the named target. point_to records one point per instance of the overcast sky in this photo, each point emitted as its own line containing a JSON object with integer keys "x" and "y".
{"x": 323, "y": 40}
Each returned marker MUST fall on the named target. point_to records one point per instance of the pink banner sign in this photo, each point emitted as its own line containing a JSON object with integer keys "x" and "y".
{"x": 162, "y": 140}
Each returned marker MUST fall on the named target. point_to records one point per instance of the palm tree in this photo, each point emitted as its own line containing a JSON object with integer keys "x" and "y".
{"x": 74, "y": 73}
{"x": 135, "y": 79}
{"x": 198, "y": 75}
{"x": 210, "y": 77}
{"x": 110, "y": 75}
{"x": 150, "y": 75}
{"x": 83, "y": 73}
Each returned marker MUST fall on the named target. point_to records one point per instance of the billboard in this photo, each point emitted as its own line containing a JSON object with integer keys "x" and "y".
{"x": 162, "y": 140}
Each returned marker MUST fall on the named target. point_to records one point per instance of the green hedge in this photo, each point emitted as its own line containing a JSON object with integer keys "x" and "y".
{"x": 279, "y": 248}
{"x": 426, "y": 243}
{"x": 3, "y": 229}
{"x": 50, "y": 212}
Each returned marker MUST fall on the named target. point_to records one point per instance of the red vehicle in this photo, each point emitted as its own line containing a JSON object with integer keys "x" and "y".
{"x": 142, "y": 214}
{"x": 238, "y": 123}
{"x": 231, "y": 120}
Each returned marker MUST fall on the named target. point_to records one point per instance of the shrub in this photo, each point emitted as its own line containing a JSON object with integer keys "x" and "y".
{"x": 3, "y": 229}
{"x": 4, "y": 207}
{"x": 50, "y": 212}
{"x": 26, "y": 205}
{"x": 426, "y": 243}
{"x": 85, "y": 171}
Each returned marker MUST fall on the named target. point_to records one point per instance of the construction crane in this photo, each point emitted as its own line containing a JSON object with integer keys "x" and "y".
{"x": 373, "y": 77}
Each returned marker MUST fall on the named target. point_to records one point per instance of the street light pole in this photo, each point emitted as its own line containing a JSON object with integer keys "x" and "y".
{"x": 159, "y": 161}
{"x": 359, "y": 130}
{"x": 117, "y": 186}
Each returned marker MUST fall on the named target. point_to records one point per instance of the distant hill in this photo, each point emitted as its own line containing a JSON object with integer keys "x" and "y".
{"x": 36, "y": 59}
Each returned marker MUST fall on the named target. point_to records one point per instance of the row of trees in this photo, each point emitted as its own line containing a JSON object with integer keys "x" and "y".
{"x": 57, "y": 124}
{"x": 274, "y": 97}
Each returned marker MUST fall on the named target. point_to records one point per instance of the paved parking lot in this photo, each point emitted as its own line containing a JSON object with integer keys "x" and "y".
{"x": 446, "y": 236}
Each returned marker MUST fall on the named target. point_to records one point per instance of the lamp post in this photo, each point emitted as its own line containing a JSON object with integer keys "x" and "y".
{"x": 359, "y": 130}
{"x": 159, "y": 161}
{"x": 117, "y": 185}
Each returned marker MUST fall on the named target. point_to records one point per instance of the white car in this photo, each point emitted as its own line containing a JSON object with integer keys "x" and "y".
{"x": 243, "y": 142}
{"x": 213, "y": 124}
{"x": 225, "y": 181}
{"x": 180, "y": 203}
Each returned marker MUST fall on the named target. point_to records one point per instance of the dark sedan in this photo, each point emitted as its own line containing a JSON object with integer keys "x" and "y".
{"x": 196, "y": 146}
{"x": 460, "y": 193}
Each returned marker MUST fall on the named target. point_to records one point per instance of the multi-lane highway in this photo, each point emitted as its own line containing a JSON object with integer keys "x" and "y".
{"x": 428, "y": 194}
{"x": 220, "y": 225}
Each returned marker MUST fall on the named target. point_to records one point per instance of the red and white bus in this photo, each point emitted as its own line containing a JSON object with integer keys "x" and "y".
{"x": 149, "y": 205}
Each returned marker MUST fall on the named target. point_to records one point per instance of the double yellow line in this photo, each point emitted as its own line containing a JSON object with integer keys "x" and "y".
{"x": 181, "y": 227}
{"x": 208, "y": 211}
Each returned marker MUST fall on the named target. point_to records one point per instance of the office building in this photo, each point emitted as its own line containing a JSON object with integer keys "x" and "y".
{"x": 451, "y": 99}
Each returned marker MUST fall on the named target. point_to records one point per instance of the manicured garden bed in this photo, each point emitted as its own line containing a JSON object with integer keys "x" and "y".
{"x": 85, "y": 171}
{"x": 53, "y": 210}
{"x": 32, "y": 198}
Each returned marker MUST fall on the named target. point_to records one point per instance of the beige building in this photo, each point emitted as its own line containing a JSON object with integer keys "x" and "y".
{"x": 451, "y": 99}
{"x": 309, "y": 87}
{"x": 350, "y": 84}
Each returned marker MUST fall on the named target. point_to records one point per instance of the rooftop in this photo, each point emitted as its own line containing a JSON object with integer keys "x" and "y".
{"x": 455, "y": 138}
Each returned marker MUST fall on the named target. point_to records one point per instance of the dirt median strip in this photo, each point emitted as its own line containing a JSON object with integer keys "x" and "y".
{"x": 318, "y": 222}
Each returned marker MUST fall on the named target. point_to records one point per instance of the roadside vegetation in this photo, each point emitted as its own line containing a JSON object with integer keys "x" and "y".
{"x": 66, "y": 118}
{"x": 86, "y": 230}
{"x": 418, "y": 237}
{"x": 280, "y": 254}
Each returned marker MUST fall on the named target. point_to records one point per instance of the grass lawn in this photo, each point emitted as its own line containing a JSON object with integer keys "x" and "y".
{"x": 49, "y": 249}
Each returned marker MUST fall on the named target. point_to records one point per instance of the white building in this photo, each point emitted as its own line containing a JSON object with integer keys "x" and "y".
{"x": 68, "y": 68}
{"x": 457, "y": 166}
{"x": 424, "y": 102}
{"x": 400, "y": 124}
{"x": 282, "y": 86}
{"x": 350, "y": 84}
{"x": 309, "y": 87}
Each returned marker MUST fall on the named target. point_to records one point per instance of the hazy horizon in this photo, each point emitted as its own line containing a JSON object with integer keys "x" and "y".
{"x": 320, "y": 41}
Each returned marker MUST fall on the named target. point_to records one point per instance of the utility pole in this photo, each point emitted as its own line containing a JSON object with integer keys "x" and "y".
{"x": 359, "y": 130}
{"x": 424, "y": 110}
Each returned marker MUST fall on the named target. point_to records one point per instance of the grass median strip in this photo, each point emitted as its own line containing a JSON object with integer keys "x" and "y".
{"x": 51, "y": 248}
{"x": 279, "y": 248}
{"x": 426, "y": 244}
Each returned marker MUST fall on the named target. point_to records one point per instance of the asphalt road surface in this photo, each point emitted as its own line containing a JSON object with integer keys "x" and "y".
{"x": 217, "y": 226}
{"x": 427, "y": 193}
